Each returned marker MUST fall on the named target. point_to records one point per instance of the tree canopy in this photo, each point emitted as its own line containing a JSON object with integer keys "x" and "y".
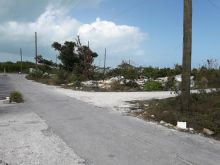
{"x": 75, "y": 56}
{"x": 41, "y": 60}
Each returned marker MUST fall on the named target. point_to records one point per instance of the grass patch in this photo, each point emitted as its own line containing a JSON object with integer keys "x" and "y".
{"x": 16, "y": 96}
{"x": 204, "y": 111}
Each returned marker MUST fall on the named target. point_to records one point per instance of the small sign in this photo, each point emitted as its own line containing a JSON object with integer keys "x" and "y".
{"x": 181, "y": 125}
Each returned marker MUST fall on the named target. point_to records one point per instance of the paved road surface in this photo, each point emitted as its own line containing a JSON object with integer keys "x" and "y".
{"x": 105, "y": 138}
{"x": 5, "y": 86}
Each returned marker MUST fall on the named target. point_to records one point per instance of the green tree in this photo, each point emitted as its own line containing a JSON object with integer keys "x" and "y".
{"x": 41, "y": 60}
{"x": 67, "y": 54}
{"x": 86, "y": 58}
{"x": 76, "y": 57}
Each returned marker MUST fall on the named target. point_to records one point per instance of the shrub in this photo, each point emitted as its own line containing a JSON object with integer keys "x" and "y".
{"x": 208, "y": 76}
{"x": 153, "y": 86}
{"x": 61, "y": 77}
{"x": 36, "y": 74}
{"x": 16, "y": 96}
{"x": 116, "y": 86}
{"x": 65, "y": 77}
{"x": 170, "y": 84}
{"x": 132, "y": 84}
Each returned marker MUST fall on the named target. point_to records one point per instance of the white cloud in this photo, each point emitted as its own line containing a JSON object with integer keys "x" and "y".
{"x": 117, "y": 38}
{"x": 56, "y": 25}
{"x": 51, "y": 26}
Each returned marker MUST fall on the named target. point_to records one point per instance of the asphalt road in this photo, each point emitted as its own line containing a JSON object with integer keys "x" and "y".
{"x": 5, "y": 86}
{"x": 102, "y": 137}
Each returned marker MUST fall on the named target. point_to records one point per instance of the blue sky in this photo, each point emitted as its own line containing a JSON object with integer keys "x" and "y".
{"x": 146, "y": 32}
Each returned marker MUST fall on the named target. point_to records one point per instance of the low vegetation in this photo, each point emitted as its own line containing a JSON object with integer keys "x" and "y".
{"x": 129, "y": 86}
{"x": 153, "y": 86}
{"x": 204, "y": 111}
{"x": 16, "y": 96}
{"x": 126, "y": 77}
{"x": 12, "y": 67}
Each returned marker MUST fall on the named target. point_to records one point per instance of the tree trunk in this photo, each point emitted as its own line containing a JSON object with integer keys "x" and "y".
{"x": 187, "y": 50}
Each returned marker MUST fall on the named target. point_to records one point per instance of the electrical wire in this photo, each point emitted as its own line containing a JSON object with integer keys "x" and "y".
{"x": 75, "y": 4}
{"x": 214, "y": 4}
{"x": 123, "y": 12}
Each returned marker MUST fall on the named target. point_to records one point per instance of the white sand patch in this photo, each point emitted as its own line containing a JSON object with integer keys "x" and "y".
{"x": 114, "y": 100}
{"x": 26, "y": 140}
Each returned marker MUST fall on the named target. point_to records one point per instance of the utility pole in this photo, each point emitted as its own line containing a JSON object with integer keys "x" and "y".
{"x": 56, "y": 61}
{"x": 78, "y": 41}
{"x": 187, "y": 51}
{"x": 21, "y": 59}
{"x": 36, "y": 49}
{"x": 104, "y": 62}
{"x": 88, "y": 44}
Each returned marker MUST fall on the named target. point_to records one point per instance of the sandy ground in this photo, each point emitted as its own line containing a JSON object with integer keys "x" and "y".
{"x": 117, "y": 101}
{"x": 25, "y": 139}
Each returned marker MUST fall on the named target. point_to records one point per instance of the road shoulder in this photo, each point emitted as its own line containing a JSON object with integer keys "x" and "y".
{"x": 27, "y": 140}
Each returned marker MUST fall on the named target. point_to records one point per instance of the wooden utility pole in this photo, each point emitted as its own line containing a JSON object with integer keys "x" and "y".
{"x": 104, "y": 62}
{"x": 21, "y": 59}
{"x": 78, "y": 41}
{"x": 36, "y": 49}
{"x": 56, "y": 61}
{"x": 187, "y": 51}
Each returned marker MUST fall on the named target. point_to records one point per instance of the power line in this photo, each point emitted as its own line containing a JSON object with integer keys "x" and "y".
{"x": 133, "y": 7}
{"x": 214, "y": 4}
{"x": 74, "y": 4}
{"x": 104, "y": 62}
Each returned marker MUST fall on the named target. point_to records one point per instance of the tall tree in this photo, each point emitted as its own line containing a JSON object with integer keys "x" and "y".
{"x": 86, "y": 58}
{"x": 76, "y": 57}
{"x": 67, "y": 54}
{"x": 187, "y": 51}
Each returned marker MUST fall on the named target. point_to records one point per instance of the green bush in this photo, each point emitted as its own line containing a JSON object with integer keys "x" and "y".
{"x": 153, "y": 86}
{"x": 36, "y": 74}
{"x": 169, "y": 85}
{"x": 61, "y": 77}
{"x": 12, "y": 67}
{"x": 16, "y": 96}
{"x": 207, "y": 76}
{"x": 132, "y": 84}
{"x": 64, "y": 77}
{"x": 116, "y": 86}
